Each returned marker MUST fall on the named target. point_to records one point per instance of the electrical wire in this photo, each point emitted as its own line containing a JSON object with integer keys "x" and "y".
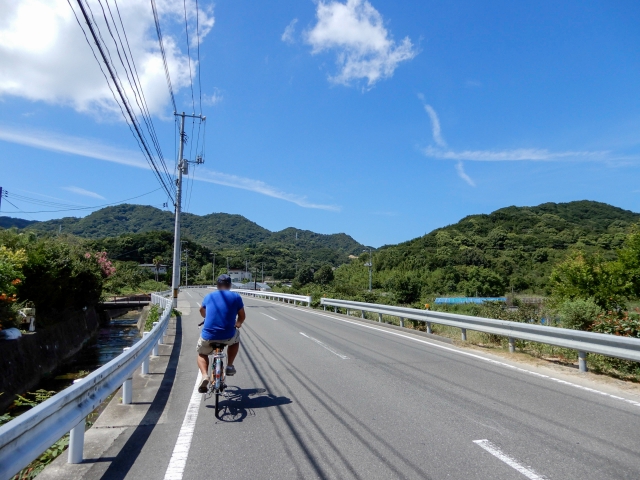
{"x": 137, "y": 83}
{"x": 186, "y": 31}
{"x": 134, "y": 80}
{"x": 199, "y": 64}
{"x": 164, "y": 56}
{"x": 104, "y": 53}
{"x": 81, "y": 208}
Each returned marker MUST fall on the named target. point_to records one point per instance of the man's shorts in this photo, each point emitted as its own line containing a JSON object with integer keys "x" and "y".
{"x": 204, "y": 346}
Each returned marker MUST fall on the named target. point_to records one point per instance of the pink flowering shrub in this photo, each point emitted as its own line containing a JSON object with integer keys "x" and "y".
{"x": 103, "y": 262}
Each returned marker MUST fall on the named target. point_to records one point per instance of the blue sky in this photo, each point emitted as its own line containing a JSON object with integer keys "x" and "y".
{"x": 380, "y": 119}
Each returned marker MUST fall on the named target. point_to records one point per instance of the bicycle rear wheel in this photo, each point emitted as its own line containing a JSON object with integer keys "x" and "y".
{"x": 218, "y": 390}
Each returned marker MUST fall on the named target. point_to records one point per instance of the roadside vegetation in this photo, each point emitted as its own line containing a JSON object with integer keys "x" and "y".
{"x": 555, "y": 271}
{"x": 60, "y": 275}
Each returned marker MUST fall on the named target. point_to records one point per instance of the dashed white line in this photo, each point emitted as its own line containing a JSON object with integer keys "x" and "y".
{"x": 479, "y": 357}
{"x": 187, "y": 292}
{"x": 324, "y": 345}
{"x": 269, "y": 316}
{"x": 499, "y": 454}
{"x": 181, "y": 450}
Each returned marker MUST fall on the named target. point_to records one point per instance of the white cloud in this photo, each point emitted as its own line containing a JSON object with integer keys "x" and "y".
{"x": 259, "y": 186}
{"x": 289, "y": 32}
{"x": 82, "y": 191}
{"x": 215, "y": 98}
{"x": 50, "y": 60}
{"x": 435, "y": 126}
{"x": 356, "y": 31}
{"x": 95, "y": 149}
{"x": 463, "y": 175}
{"x": 520, "y": 155}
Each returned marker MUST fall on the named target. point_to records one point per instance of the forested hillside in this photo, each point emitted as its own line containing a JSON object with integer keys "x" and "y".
{"x": 514, "y": 248}
{"x": 215, "y": 230}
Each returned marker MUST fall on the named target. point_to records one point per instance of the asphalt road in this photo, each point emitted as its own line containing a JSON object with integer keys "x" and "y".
{"x": 321, "y": 396}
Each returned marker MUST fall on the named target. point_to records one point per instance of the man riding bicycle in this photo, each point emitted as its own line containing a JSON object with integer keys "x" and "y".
{"x": 223, "y": 313}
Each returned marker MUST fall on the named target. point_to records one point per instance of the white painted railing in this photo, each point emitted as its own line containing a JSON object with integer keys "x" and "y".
{"x": 283, "y": 297}
{"x": 23, "y": 439}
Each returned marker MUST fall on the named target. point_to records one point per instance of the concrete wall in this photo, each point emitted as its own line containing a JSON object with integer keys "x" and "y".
{"x": 24, "y": 361}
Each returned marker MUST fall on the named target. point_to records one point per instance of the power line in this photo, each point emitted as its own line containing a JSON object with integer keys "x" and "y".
{"x": 186, "y": 30}
{"x": 164, "y": 56}
{"x": 199, "y": 64}
{"x": 137, "y": 83}
{"x": 135, "y": 86}
{"x": 103, "y": 50}
{"x": 13, "y": 195}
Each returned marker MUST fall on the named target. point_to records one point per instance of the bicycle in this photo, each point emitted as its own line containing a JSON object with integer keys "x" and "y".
{"x": 217, "y": 374}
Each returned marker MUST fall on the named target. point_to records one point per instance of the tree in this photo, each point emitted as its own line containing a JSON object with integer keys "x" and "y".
{"x": 583, "y": 276}
{"x": 324, "y": 275}
{"x": 305, "y": 275}
{"x": 157, "y": 262}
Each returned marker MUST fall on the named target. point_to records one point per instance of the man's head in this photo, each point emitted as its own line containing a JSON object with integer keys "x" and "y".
{"x": 224, "y": 282}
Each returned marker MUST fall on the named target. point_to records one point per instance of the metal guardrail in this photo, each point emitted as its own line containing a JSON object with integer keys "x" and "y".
{"x": 23, "y": 439}
{"x": 285, "y": 297}
{"x": 627, "y": 348}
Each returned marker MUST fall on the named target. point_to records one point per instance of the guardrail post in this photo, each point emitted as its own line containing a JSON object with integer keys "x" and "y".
{"x": 348, "y": 312}
{"x": 295, "y": 302}
{"x": 464, "y": 334}
{"x": 380, "y": 317}
{"x": 362, "y": 313}
{"x": 582, "y": 361}
{"x": 429, "y": 328}
{"x": 512, "y": 345}
{"x": 144, "y": 370}
{"x": 335, "y": 309}
{"x": 324, "y": 307}
{"x": 155, "y": 347}
{"x": 127, "y": 387}
{"x": 76, "y": 443}
{"x": 161, "y": 338}
{"x": 401, "y": 321}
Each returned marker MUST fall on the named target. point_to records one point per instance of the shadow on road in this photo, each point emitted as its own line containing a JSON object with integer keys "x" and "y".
{"x": 239, "y": 403}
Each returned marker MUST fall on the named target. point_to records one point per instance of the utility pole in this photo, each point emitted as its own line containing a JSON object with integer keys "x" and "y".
{"x": 183, "y": 165}
{"x": 186, "y": 268}
{"x": 227, "y": 265}
{"x": 214, "y": 269}
{"x": 262, "y": 272}
{"x": 370, "y": 265}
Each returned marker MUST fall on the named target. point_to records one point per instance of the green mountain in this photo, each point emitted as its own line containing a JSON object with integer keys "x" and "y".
{"x": 511, "y": 249}
{"x": 216, "y": 230}
{"x": 11, "y": 222}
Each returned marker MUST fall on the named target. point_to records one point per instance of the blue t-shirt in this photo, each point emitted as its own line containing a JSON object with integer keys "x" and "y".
{"x": 221, "y": 311}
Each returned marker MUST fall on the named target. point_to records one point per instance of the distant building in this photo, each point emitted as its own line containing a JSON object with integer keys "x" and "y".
{"x": 162, "y": 269}
{"x": 238, "y": 275}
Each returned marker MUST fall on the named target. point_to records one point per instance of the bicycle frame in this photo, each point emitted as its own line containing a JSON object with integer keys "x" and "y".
{"x": 218, "y": 369}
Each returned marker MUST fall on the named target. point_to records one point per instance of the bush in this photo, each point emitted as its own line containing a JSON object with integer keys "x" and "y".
{"x": 618, "y": 323}
{"x": 324, "y": 275}
{"x": 579, "y": 314}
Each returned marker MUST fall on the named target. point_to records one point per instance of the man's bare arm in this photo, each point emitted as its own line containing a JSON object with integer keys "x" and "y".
{"x": 203, "y": 311}
{"x": 241, "y": 317}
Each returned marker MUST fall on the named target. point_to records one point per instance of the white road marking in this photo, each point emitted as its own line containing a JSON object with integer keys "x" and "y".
{"x": 187, "y": 292}
{"x": 269, "y": 316}
{"x": 344, "y": 357}
{"x": 183, "y": 443}
{"x": 479, "y": 357}
{"x": 499, "y": 454}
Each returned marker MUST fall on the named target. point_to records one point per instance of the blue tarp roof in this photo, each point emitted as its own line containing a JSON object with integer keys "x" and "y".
{"x": 470, "y": 299}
